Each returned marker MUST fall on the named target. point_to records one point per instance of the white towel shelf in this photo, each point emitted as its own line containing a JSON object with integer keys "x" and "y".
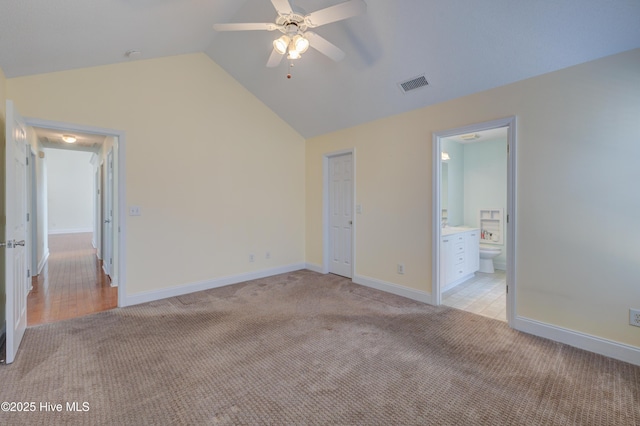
{"x": 491, "y": 223}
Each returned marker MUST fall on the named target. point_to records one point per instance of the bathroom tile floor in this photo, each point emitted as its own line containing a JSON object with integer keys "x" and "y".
{"x": 485, "y": 295}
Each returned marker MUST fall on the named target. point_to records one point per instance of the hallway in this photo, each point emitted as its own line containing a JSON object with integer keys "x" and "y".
{"x": 71, "y": 283}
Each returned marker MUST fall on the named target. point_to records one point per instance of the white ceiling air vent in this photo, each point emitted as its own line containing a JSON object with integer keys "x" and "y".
{"x": 413, "y": 83}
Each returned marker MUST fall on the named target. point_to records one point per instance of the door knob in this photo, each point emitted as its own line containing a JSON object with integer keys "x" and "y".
{"x": 18, "y": 243}
{"x": 107, "y": 221}
{"x": 350, "y": 222}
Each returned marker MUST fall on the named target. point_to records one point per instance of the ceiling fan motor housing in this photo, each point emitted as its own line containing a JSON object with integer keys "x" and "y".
{"x": 291, "y": 24}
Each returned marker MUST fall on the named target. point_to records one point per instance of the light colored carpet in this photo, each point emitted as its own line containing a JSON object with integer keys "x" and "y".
{"x": 305, "y": 348}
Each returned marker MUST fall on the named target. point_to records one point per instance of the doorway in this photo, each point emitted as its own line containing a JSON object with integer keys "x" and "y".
{"x": 476, "y": 206}
{"x": 75, "y": 254}
{"x": 339, "y": 189}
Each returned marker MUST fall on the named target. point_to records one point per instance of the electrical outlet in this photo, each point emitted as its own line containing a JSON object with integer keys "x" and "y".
{"x": 400, "y": 268}
{"x": 267, "y": 255}
{"x": 134, "y": 211}
{"x": 634, "y": 317}
{"x": 252, "y": 258}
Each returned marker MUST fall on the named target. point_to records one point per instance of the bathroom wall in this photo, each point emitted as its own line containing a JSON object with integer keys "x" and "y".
{"x": 485, "y": 184}
{"x": 455, "y": 182}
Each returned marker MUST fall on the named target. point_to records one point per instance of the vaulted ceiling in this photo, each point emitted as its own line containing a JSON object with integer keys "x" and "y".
{"x": 460, "y": 46}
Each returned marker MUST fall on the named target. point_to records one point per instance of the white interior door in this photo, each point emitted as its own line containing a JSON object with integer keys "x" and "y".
{"x": 108, "y": 218}
{"x": 15, "y": 236}
{"x": 341, "y": 214}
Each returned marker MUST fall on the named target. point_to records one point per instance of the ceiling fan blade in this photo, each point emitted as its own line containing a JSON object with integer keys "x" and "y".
{"x": 336, "y": 13}
{"x": 274, "y": 59}
{"x": 325, "y": 47}
{"x": 268, "y": 26}
{"x": 283, "y": 7}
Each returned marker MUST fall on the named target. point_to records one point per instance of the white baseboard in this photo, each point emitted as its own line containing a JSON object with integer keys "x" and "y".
{"x": 70, "y": 231}
{"x": 315, "y": 268}
{"x": 579, "y": 340}
{"x": 410, "y": 293}
{"x": 150, "y": 296}
{"x": 42, "y": 261}
{"x": 616, "y": 350}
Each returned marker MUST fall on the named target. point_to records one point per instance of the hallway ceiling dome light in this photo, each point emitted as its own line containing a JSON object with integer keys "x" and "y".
{"x": 69, "y": 138}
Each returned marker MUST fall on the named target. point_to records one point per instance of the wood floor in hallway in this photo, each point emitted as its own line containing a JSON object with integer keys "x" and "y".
{"x": 71, "y": 283}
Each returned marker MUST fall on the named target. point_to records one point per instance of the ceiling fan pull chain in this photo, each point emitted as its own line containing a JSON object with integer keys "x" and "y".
{"x": 290, "y": 68}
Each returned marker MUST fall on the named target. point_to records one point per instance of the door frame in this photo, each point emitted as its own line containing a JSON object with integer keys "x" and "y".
{"x": 120, "y": 267}
{"x": 32, "y": 210}
{"x": 510, "y": 124}
{"x": 107, "y": 228}
{"x": 326, "y": 212}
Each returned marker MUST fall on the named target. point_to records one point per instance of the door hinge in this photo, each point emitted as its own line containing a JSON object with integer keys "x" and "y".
{"x": 28, "y": 217}
{"x": 507, "y": 289}
{"x": 111, "y": 261}
{"x": 507, "y": 148}
{"x": 507, "y": 218}
{"x": 27, "y": 160}
{"x": 28, "y": 273}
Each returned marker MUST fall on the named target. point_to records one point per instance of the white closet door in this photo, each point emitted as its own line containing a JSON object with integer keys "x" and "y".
{"x": 341, "y": 215}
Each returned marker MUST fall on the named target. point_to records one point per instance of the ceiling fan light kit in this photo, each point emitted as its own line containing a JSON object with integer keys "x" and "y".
{"x": 296, "y": 39}
{"x": 281, "y": 44}
{"x": 300, "y": 43}
{"x": 295, "y": 47}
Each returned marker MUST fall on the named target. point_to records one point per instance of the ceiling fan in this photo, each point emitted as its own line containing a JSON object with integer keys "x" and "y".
{"x": 296, "y": 38}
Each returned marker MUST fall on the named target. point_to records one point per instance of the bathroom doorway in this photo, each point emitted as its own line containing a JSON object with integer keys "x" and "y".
{"x": 474, "y": 218}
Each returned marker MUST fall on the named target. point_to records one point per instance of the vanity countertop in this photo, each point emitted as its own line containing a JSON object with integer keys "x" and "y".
{"x": 450, "y": 230}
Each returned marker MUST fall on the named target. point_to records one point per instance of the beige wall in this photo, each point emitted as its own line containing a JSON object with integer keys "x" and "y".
{"x": 578, "y": 261}
{"x": 216, "y": 173}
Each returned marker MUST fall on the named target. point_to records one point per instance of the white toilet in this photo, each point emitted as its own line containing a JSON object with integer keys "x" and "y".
{"x": 487, "y": 253}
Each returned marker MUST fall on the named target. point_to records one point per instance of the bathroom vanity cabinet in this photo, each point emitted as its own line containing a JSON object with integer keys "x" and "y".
{"x": 459, "y": 256}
